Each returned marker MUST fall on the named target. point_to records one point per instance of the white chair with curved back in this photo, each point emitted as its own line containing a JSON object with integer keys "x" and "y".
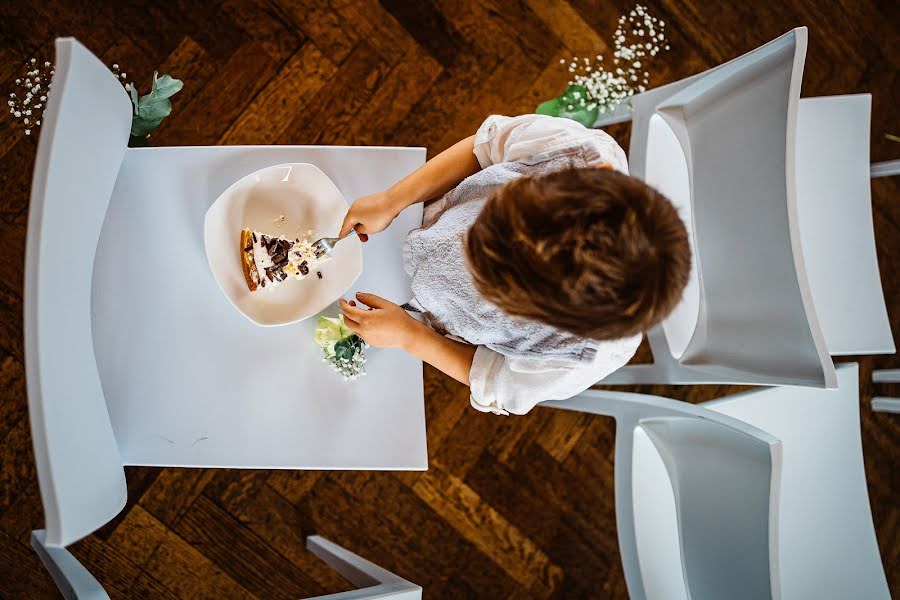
{"x": 698, "y": 522}
{"x": 784, "y": 272}
{"x": 696, "y": 498}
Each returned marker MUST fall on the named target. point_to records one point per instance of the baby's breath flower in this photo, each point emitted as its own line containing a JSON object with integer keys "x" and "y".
{"x": 35, "y": 83}
{"x": 606, "y": 89}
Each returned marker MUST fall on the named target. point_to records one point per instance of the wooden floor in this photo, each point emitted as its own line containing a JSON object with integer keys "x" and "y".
{"x": 510, "y": 507}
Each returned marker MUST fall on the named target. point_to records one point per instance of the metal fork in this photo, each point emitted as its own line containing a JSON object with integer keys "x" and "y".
{"x": 325, "y": 245}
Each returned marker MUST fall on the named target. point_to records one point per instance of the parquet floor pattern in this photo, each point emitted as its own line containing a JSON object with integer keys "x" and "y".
{"x": 518, "y": 507}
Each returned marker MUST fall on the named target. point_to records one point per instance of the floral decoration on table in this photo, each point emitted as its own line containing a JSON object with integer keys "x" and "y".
{"x": 341, "y": 348}
{"x": 597, "y": 88}
{"x": 28, "y": 102}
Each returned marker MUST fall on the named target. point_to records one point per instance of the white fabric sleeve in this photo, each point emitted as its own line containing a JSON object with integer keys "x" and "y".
{"x": 509, "y": 139}
{"x": 504, "y": 385}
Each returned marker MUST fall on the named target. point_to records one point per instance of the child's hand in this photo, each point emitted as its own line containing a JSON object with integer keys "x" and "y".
{"x": 385, "y": 324}
{"x": 369, "y": 214}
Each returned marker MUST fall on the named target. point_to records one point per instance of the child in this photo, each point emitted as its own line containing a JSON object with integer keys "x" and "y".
{"x": 538, "y": 269}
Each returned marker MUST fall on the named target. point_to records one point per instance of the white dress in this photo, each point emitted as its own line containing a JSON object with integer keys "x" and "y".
{"x": 503, "y": 384}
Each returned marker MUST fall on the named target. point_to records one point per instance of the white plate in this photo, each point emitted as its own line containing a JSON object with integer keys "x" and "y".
{"x": 308, "y": 199}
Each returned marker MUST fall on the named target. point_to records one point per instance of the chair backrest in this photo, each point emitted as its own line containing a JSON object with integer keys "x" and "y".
{"x": 828, "y": 548}
{"x": 835, "y": 207}
{"x": 83, "y": 140}
{"x": 723, "y": 487}
{"x": 748, "y": 312}
{"x": 695, "y": 512}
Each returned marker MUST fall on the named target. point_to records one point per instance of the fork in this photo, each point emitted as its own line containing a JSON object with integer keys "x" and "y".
{"x": 325, "y": 245}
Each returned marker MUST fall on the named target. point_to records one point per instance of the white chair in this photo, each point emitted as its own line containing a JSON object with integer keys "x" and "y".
{"x": 785, "y": 273}
{"x": 374, "y": 581}
{"x": 128, "y": 363}
{"x": 696, "y": 498}
{"x": 820, "y": 527}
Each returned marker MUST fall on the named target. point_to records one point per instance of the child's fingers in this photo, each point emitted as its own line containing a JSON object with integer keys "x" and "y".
{"x": 373, "y": 300}
{"x": 352, "y": 312}
{"x": 352, "y": 325}
{"x": 349, "y": 223}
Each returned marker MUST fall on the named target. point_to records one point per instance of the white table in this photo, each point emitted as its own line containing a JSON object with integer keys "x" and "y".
{"x": 189, "y": 381}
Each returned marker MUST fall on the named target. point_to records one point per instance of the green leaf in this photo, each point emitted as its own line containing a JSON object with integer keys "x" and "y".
{"x": 154, "y": 107}
{"x": 574, "y": 94}
{"x": 559, "y": 107}
{"x": 582, "y": 115}
{"x": 345, "y": 348}
{"x": 166, "y": 86}
{"x": 550, "y": 107}
{"x": 134, "y": 98}
{"x": 141, "y": 126}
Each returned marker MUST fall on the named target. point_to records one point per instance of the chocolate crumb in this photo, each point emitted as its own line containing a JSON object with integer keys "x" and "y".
{"x": 254, "y": 237}
{"x": 304, "y": 270}
{"x": 319, "y": 274}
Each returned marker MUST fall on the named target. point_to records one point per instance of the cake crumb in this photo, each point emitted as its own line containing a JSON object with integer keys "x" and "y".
{"x": 319, "y": 274}
{"x": 278, "y": 221}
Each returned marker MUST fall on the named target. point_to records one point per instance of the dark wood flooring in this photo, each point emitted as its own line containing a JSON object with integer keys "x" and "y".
{"x": 511, "y": 507}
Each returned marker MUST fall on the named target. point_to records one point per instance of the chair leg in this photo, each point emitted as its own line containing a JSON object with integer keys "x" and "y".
{"x": 375, "y": 581}
{"x": 886, "y": 376}
{"x": 884, "y": 169}
{"x": 73, "y": 580}
{"x": 888, "y": 405}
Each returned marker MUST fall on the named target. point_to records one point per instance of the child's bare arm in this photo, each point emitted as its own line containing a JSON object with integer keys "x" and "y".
{"x": 387, "y": 325}
{"x": 373, "y": 213}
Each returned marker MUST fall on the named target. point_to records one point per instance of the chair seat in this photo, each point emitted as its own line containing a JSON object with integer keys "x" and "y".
{"x": 834, "y": 204}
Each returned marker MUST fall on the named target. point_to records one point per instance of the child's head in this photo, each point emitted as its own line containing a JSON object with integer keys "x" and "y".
{"x": 591, "y": 251}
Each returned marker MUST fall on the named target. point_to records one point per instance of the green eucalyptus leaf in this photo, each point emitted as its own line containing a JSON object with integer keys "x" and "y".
{"x": 166, "y": 86}
{"x": 152, "y": 107}
{"x": 574, "y": 94}
{"x": 582, "y": 115}
{"x": 550, "y": 107}
{"x": 345, "y": 348}
{"x": 140, "y": 126}
{"x": 134, "y": 98}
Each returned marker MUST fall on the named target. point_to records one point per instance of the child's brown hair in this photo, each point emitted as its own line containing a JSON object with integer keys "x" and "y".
{"x": 590, "y": 251}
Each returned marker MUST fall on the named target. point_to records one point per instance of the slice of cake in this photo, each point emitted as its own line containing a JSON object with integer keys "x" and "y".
{"x": 268, "y": 260}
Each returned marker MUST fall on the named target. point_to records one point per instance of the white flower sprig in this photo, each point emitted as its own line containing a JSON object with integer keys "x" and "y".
{"x": 341, "y": 348}
{"x": 639, "y": 37}
{"x": 33, "y": 88}
{"x": 121, "y": 76}
{"x": 27, "y": 104}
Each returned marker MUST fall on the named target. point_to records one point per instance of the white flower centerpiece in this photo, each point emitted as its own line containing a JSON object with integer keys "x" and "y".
{"x": 341, "y": 348}
{"x": 596, "y": 87}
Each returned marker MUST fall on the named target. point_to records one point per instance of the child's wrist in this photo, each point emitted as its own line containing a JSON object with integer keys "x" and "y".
{"x": 396, "y": 200}
{"x": 412, "y": 334}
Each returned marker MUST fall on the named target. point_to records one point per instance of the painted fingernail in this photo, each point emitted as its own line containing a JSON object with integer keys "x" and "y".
{"x": 352, "y": 303}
